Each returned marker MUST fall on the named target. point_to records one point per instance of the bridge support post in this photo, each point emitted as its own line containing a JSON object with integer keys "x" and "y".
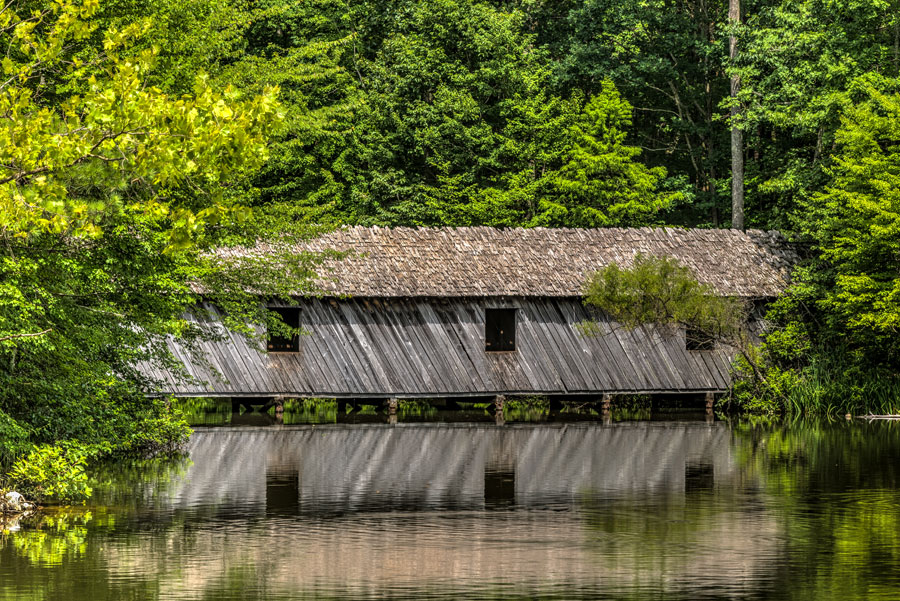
{"x": 392, "y": 405}
{"x": 606, "y": 403}
{"x": 279, "y": 409}
{"x": 499, "y": 402}
{"x": 279, "y": 414}
{"x": 710, "y": 402}
{"x": 605, "y": 406}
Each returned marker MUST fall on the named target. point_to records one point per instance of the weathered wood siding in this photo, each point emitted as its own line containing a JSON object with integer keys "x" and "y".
{"x": 435, "y": 347}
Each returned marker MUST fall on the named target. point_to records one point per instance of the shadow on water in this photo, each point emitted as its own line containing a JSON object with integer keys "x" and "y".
{"x": 550, "y": 510}
{"x": 256, "y": 412}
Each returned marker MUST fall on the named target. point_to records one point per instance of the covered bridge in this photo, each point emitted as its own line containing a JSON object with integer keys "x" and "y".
{"x": 464, "y": 312}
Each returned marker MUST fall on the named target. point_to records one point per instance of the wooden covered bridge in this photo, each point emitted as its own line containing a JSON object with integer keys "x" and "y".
{"x": 475, "y": 312}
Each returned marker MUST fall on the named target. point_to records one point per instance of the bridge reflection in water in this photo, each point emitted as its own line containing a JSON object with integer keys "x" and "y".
{"x": 379, "y": 468}
{"x": 438, "y": 511}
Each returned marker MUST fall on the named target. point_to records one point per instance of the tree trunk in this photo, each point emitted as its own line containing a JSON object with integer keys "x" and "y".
{"x": 737, "y": 135}
{"x": 896, "y": 28}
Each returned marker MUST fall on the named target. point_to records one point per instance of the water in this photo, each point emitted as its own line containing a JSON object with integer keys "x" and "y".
{"x": 586, "y": 510}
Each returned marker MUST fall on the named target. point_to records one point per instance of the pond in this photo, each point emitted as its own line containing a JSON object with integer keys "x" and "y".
{"x": 468, "y": 509}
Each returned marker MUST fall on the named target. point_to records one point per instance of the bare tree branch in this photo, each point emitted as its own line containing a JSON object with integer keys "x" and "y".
{"x": 12, "y": 336}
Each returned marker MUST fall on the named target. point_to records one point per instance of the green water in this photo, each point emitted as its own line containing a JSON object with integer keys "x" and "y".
{"x": 476, "y": 510}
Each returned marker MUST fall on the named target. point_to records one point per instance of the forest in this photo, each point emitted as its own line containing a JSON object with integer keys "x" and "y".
{"x": 137, "y": 135}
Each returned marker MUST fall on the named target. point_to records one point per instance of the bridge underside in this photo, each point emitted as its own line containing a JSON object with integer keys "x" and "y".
{"x": 435, "y": 348}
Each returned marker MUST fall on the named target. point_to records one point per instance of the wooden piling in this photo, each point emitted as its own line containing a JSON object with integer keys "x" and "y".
{"x": 499, "y": 402}
{"x": 710, "y": 402}
{"x": 606, "y": 403}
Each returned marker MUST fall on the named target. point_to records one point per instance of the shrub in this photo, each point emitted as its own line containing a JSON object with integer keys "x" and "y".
{"x": 831, "y": 381}
{"x": 13, "y": 439}
{"x": 51, "y": 473}
{"x": 164, "y": 431}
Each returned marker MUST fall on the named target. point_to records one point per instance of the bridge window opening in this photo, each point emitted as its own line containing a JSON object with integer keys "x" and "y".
{"x": 281, "y": 344}
{"x": 698, "y": 340}
{"x": 699, "y": 475}
{"x": 282, "y": 490}
{"x": 499, "y": 488}
{"x": 500, "y": 329}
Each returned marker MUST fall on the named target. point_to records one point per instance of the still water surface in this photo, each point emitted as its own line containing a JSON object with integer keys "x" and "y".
{"x": 586, "y": 510}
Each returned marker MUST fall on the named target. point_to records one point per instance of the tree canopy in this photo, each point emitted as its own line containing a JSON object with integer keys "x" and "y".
{"x": 112, "y": 190}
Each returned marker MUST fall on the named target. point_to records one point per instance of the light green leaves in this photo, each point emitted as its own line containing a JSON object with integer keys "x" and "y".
{"x": 858, "y": 218}
{"x": 52, "y": 473}
{"x": 601, "y": 183}
{"x": 67, "y": 167}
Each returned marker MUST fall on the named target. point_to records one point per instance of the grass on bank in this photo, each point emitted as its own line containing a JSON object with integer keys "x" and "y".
{"x": 830, "y": 384}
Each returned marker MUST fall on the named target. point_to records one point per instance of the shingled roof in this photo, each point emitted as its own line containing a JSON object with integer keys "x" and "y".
{"x": 483, "y": 261}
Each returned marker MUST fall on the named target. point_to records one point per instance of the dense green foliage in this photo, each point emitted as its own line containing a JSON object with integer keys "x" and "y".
{"x": 442, "y": 112}
{"x": 51, "y": 472}
{"x": 668, "y": 61}
{"x": 659, "y": 290}
{"x": 805, "y": 65}
{"x": 112, "y": 192}
{"x": 836, "y": 344}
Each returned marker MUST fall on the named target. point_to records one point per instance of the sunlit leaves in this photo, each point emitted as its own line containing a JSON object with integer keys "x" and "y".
{"x": 803, "y": 64}
{"x": 667, "y": 59}
{"x": 110, "y": 190}
{"x": 600, "y": 181}
{"x": 858, "y": 218}
{"x": 121, "y": 143}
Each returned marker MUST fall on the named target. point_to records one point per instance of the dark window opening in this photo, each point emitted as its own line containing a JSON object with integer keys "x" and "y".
{"x": 282, "y": 490}
{"x": 699, "y": 476}
{"x": 500, "y": 329}
{"x": 698, "y": 340}
{"x": 280, "y": 344}
{"x": 499, "y": 488}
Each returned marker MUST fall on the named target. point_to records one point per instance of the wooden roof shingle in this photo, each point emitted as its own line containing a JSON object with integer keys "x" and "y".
{"x": 490, "y": 262}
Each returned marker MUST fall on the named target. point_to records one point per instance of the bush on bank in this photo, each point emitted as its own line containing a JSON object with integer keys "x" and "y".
{"x": 55, "y": 472}
{"x": 50, "y": 472}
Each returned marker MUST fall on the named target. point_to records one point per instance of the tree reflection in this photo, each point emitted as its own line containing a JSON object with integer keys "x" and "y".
{"x": 834, "y": 487}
